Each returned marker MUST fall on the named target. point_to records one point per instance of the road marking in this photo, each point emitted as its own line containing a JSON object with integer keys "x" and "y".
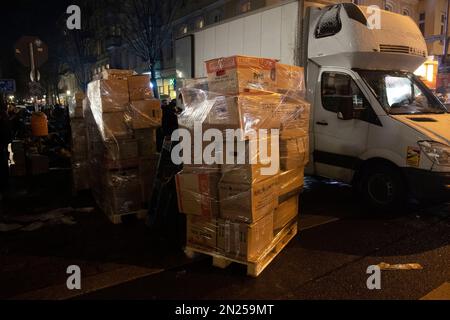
{"x": 89, "y": 284}
{"x": 440, "y": 293}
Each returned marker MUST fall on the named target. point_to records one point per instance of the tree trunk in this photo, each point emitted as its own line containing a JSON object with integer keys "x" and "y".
{"x": 153, "y": 80}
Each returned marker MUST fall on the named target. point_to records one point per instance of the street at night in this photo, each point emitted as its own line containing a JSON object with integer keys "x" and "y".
{"x": 224, "y": 158}
{"x": 329, "y": 258}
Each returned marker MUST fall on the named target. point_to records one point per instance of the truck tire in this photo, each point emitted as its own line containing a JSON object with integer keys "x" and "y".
{"x": 382, "y": 187}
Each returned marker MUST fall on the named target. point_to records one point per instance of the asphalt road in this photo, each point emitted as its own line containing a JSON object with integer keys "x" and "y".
{"x": 328, "y": 259}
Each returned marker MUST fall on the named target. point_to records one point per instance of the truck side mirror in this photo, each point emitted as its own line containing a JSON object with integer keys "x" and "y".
{"x": 345, "y": 109}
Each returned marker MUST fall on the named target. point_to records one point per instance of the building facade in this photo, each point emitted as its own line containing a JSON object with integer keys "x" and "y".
{"x": 111, "y": 51}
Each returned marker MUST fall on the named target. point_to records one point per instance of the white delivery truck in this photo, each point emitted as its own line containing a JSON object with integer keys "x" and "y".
{"x": 373, "y": 123}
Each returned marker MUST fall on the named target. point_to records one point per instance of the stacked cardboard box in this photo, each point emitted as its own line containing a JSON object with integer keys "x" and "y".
{"x": 121, "y": 118}
{"x": 37, "y": 164}
{"x": 80, "y": 173}
{"x": 237, "y": 209}
{"x": 18, "y": 168}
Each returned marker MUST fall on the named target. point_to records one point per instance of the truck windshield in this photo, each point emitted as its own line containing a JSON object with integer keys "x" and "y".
{"x": 402, "y": 92}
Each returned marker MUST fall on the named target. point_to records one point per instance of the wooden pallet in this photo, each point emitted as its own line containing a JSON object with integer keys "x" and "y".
{"x": 254, "y": 268}
{"x": 117, "y": 218}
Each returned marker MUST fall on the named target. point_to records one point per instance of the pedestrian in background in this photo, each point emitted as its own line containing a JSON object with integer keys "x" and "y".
{"x": 5, "y": 140}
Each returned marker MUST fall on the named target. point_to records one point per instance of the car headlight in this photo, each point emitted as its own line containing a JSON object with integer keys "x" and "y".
{"x": 438, "y": 153}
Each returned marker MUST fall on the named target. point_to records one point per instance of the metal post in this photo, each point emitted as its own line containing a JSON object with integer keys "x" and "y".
{"x": 300, "y": 37}
{"x": 444, "y": 56}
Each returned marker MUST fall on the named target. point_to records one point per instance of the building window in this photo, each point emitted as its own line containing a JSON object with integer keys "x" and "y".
{"x": 216, "y": 16}
{"x": 245, "y": 6}
{"x": 389, "y": 7}
{"x": 200, "y": 23}
{"x": 422, "y": 22}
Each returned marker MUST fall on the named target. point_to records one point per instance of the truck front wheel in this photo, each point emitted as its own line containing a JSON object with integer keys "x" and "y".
{"x": 382, "y": 187}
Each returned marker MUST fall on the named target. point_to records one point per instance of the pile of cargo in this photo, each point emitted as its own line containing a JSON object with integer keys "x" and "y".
{"x": 121, "y": 118}
{"x": 239, "y": 210}
{"x": 80, "y": 174}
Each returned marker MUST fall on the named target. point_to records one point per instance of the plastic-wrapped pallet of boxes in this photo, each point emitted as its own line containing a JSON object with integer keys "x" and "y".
{"x": 122, "y": 118}
{"x": 238, "y": 210}
{"x": 80, "y": 173}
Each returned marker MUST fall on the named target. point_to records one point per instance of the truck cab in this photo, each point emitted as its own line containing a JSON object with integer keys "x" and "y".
{"x": 374, "y": 124}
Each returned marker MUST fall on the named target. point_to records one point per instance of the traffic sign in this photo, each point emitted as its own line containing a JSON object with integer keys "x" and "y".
{"x": 7, "y": 85}
{"x": 35, "y": 89}
{"x": 29, "y": 48}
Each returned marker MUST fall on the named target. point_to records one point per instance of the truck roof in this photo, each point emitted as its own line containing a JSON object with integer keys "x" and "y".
{"x": 349, "y": 36}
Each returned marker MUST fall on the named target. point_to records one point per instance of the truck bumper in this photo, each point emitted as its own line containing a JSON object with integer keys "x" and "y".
{"x": 428, "y": 185}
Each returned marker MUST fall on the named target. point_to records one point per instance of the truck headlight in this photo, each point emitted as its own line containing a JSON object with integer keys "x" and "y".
{"x": 438, "y": 153}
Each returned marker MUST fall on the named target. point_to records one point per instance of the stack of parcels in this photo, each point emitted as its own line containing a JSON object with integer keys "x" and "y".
{"x": 122, "y": 117}
{"x": 18, "y": 167}
{"x": 80, "y": 172}
{"x": 239, "y": 206}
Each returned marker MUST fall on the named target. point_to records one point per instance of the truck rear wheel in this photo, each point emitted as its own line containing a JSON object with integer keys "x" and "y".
{"x": 382, "y": 187}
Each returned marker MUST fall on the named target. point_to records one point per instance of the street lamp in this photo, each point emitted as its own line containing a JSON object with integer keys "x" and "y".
{"x": 68, "y": 92}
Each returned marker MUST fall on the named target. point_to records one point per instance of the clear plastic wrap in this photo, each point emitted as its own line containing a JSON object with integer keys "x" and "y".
{"x": 76, "y": 105}
{"x": 121, "y": 119}
{"x": 234, "y": 207}
{"x": 79, "y": 146}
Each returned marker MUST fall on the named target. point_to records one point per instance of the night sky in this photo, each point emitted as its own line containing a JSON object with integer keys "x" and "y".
{"x": 26, "y": 17}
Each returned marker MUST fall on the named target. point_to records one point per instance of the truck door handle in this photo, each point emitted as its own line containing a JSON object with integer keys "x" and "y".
{"x": 322, "y": 123}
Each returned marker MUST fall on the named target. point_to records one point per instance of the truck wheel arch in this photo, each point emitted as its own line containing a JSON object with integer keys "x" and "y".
{"x": 365, "y": 165}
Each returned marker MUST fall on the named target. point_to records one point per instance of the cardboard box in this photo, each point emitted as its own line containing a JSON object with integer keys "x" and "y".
{"x": 290, "y": 80}
{"x": 294, "y": 116}
{"x": 77, "y": 127}
{"x": 243, "y": 241}
{"x": 139, "y": 87}
{"x": 249, "y": 168}
{"x": 18, "y": 170}
{"x": 80, "y": 149}
{"x": 198, "y": 194}
{"x": 146, "y": 139}
{"x": 80, "y": 176}
{"x": 19, "y": 157}
{"x": 201, "y": 168}
{"x": 112, "y": 126}
{"x": 237, "y": 74}
{"x": 17, "y": 146}
{"x": 285, "y": 213}
{"x": 249, "y": 112}
{"x": 122, "y": 149}
{"x": 294, "y": 153}
{"x": 38, "y": 164}
{"x": 78, "y": 112}
{"x": 145, "y": 114}
{"x": 247, "y": 203}
{"x": 79, "y": 96}
{"x": 121, "y": 191}
{"x": 201, "y": 232}
{"x": 290, "y": 183}
{"x": 108, "y": 95}
{"x": 119, "y": 201}
{"x": 116, "y": 74}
